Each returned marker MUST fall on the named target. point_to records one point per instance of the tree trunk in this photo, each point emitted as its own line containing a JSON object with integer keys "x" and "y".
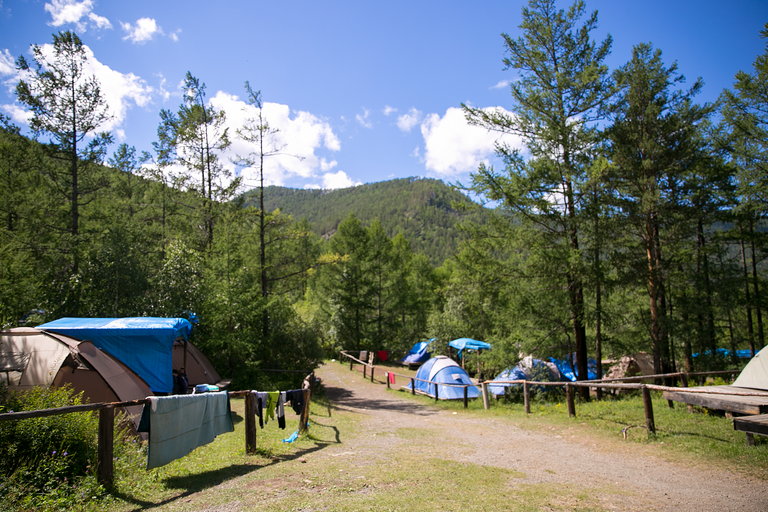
{"x": 748, "y": 305}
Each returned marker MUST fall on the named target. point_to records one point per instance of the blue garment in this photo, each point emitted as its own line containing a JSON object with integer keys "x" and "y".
{"x": 180, "y": 423}
{"x": 293, "y": 437}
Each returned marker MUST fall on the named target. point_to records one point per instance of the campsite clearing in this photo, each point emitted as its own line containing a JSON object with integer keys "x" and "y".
{"x": 373, "y": 449}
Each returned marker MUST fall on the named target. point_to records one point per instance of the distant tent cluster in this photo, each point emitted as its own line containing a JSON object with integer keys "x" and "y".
{"x": 108, "y": 359}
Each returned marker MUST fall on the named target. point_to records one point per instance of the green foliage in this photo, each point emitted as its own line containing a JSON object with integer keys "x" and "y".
{"x": 46, "y": 462}
{"x": 424, "y": 210}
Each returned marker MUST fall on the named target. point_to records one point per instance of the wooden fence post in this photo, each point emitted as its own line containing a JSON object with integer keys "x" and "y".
{"x": 486, "y": 405}
{"x": 386, "y": 376}
{"x": 104, "y": 463}
{"x": 372, "y": 369}
{"x": 466, "y": 397}
{"x": 365, "y": 370}
{"x": 527, "y": 397}
{"x": 304, "y": 418}
{"x": 648, "y": 406}
{"x": 250, "y": 423}
{"x": 684, "y": 379}
{"x": 570, "y": 399}
{"x": 350, "y": 364}
{"x": 436, "y": 397}
{"x": 413, "y": 386}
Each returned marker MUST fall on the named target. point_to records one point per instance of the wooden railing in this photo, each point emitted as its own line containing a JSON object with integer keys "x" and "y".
{"x": 105, "y": 446}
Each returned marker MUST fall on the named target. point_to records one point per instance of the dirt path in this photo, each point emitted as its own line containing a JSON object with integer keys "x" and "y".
{"x": 630, "y": 481}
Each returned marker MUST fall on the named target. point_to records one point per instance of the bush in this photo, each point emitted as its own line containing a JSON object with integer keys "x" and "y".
{"x": 46, "y": 462}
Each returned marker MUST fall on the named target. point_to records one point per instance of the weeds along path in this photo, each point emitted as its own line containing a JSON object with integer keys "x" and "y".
{"x": 548, "y": 466}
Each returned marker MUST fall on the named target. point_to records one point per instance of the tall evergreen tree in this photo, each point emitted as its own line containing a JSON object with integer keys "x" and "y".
{"x": 654, "y": 149}
{"x": 556, "y": 101}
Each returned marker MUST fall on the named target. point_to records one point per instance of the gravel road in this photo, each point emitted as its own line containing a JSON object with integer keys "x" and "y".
{"x": 643, "y": 481}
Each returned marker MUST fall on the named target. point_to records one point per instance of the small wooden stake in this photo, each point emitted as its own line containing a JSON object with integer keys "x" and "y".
{"x": 466, "y": 397}
{"x": 527, "y": 397}
{"x": 570, "y": 399}
{"x": 648, "y": 406}
{"x": 486, "y": 405}
{"x": 250, "y": 423}
{"x": 104, "y": 464}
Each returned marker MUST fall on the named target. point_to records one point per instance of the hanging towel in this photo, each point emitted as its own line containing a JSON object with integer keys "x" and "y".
{"x": 261, "y": 402}
{"x": 296, "y": 397}
{"x": 178, "y": 424}
{"x": 391, "y": 378}
{"x": 383, "y": 355}
{"x": 281, "y": 411}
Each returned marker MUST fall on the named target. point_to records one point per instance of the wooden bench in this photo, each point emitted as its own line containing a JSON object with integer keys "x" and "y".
{"x": 752, "y": 425}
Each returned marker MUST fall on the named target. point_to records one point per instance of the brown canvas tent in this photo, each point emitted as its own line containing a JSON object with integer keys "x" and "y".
{"x": 30, "y": 357}
{"x": 199, "y": 369}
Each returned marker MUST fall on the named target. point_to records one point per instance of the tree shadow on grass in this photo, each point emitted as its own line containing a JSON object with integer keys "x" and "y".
{"x": 191, "y": 484}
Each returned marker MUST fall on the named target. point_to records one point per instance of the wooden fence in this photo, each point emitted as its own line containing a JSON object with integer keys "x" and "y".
{"x": 106, "y": 428}
{"x": 628, "y": 383}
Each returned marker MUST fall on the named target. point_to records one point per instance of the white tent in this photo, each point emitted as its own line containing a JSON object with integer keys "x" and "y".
{"x": 755, "y": 374}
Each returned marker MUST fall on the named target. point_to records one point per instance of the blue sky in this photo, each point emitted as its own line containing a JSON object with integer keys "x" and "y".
{"x": 362, "y": 91}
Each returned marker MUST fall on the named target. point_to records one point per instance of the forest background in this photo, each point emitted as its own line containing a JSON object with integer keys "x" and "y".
{"x": 631, "y": 219}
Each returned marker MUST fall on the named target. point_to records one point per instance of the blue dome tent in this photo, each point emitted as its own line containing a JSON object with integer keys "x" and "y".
{"x": 527, "y": 369}
{"x": 443, "y": 370}
{"x": 143, "y": 344}
{"x": 418, "y": 354}
{"x": 462, "y": 344}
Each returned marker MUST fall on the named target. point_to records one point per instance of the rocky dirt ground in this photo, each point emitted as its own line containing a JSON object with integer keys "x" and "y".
{"x": 625, "y": 477}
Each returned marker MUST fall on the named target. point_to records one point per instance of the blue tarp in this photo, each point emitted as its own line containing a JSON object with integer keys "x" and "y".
{"x": 418, "y": 354}
{"x": 725, "y": 353}
{"x": 469, "y": 344}
{"x": 568, "y": 369}
{"x": 143, "y": 344}
{"x": 442, "y": 370}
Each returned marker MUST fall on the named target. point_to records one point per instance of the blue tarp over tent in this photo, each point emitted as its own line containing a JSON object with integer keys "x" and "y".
{"x": 442, "y": 370}
{"x": 143, "y": 344}
{"x": 469, "y": 344}
{"x": 568, "y": 367}
{"x": 418, "y": 354}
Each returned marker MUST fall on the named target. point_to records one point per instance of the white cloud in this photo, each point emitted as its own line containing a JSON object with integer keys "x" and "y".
{"x": 363, "y": 119}
{"x": 338, "y": 180}
{"x": 18, "y": 115}
{"x": 7, "y": 63}
{"x": 389, "y": 110}
{"x": 453, "y": 146}
{"x": 175, "y": 35}
{"x": 501, "y": 85}
{"x": 300, "y": 135}
{"x": 143, "y": 31}
{"x": 65, "y": 12}
{"x": 407, "y": 121}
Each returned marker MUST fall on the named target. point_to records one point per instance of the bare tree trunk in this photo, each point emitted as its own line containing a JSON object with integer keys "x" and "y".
{"x": 748, "y": 306}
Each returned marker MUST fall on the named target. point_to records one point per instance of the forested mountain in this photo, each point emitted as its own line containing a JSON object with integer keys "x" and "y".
{"x": 423, "y": 209}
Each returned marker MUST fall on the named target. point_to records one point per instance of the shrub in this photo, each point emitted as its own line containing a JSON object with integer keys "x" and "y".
{"x": 43, "y": 461}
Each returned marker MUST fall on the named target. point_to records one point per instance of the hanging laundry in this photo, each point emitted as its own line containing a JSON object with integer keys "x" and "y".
{"x": 391, "y": 378}
{"x": 281, "y": 411}
{"x": 178, "y": 424}
{"x": 296, "y": 397}
{"x": 261, "y": 403}
{"x": 272, "y": 398}
{"x": 383, "y": 355}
